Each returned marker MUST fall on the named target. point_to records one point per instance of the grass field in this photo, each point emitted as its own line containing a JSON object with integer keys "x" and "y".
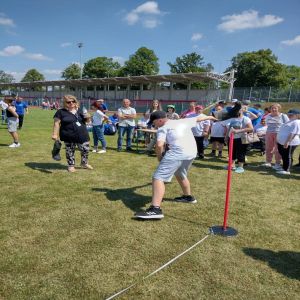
{"x": 72, "y": 236}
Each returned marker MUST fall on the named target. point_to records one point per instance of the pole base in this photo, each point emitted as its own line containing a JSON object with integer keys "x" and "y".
{"x": 218, "y": 230}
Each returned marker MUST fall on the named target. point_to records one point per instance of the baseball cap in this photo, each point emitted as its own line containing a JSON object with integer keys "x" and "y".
{"x": 234, "y": 100}
{"x": 294, "y": 112}
{"x": 159, "y": 114}
{"x": 246, "y": 102}
{"x": 171, "y": 106}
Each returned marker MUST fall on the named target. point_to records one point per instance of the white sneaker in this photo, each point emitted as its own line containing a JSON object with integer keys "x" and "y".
{"x": 94, "y": 151}
{"x": 267, "y": 165}
{"x": 277, "y": 167}
{"x": 14, "y": 145}
{"x": 101, "y": 151}
{"x": 283, "y": 172}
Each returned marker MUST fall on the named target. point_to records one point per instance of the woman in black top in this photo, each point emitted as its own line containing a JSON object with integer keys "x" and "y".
{"x": 69, "y": 125}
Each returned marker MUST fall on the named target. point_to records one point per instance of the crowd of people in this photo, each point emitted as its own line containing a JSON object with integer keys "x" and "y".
{"x": 178, "y": 139}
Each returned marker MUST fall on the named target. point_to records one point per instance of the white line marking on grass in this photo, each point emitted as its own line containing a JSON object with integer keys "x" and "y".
{"x": 157, "y": 270}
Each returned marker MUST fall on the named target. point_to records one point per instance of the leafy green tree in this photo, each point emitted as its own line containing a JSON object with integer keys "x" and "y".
{"x": 143, "y": 62}
{"x": 100, "y": 67}
{"x": 258, "y": 68}
{"x": 189, "y": 63}
{"x": 6, "y": 78}
{"x": 71, "y": 72}
{"x": 293, "y": 76}
{"x": 33, "y": 75}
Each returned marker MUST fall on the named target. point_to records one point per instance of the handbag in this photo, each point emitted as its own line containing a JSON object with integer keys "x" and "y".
{"x": 249, "y": 138}
{"x": 56, "y": 150}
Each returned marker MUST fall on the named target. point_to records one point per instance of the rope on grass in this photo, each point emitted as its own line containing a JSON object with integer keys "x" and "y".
{"x": 157, "y": 270}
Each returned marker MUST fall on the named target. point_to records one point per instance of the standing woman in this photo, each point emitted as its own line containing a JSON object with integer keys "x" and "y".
{"x": 12, "y": 121}
{"x": 154, "y": 107}
{"x": 69, "y": 125}
{"x": 239, "y": 125}
{"x": 274, "y": 120}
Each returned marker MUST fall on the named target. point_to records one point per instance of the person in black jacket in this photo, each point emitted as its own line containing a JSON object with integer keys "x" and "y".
{"x": 69, "y": 126}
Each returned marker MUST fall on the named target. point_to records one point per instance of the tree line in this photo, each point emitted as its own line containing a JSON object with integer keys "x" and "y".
{"x": 253, "y": 69}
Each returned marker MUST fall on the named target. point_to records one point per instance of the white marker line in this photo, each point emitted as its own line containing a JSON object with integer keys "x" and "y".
{"x": 157, "y": 270}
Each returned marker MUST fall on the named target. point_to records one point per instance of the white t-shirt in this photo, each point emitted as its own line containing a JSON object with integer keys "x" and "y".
{"x": 218, "y": 129}
{"x": 179, "y": 137}
{"x": 126, "y": 111}
{"x": 275, "y": 122}
{"x": 97, "y": 118}
{"x": 198, "y": 130}
{"x": 238, "y": 123}
{"x": 3, "y": 105}
{"x": 293, "y": 127}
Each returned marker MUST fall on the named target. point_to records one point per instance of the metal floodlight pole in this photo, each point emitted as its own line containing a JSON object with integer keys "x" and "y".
{"x": 80, "y": 45}
{"x": 291, "y": 86}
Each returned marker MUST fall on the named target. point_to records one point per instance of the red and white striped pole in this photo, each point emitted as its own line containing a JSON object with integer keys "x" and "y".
{"x": 224, "y": 230}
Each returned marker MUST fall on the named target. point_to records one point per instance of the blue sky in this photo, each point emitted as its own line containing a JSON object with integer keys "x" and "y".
{"x": 43, "y": 34}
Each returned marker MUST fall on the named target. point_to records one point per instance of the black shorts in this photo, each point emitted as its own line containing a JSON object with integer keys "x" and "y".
{"x": 217, "y": 139}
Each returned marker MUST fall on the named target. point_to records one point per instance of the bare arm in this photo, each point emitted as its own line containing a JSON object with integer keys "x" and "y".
{"x": 289, "y": 139}
{"x": 200, "y": 119}
{"x": 55, "y": 132}
{"x": 159, "y": 149}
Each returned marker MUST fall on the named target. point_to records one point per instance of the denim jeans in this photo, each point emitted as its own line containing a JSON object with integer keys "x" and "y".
{"x": 98, "y": 135}
{"x": 121, "y": 132}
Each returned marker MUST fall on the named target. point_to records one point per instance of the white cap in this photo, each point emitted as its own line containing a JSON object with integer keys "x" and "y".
{"x": 234, "y": 100}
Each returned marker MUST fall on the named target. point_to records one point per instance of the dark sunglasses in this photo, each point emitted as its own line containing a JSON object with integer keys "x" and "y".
{"x": 68, "y": 102}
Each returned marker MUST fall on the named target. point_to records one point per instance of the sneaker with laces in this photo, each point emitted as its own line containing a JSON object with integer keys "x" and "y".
{"x": 14, "y": 145}
{"x": 282, "y": 172}
{"x": 152, "y": 213}
{"x": 267, "y": 165}
{"x": 94, "y": 151}
{"x": 102, "y": 151}
{"x": 186, "y": 199}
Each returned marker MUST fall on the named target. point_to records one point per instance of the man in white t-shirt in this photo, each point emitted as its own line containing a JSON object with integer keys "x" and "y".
{"x": 182, "y": 149}
{"x": 127, "y": 117}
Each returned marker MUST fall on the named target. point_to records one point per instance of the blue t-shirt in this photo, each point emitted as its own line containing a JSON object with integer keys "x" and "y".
{"x": 20, "y": 107}
{"x": 258, "y": 113}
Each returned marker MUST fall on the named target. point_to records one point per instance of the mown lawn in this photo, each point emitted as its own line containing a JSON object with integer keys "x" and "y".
{"x": 72, "y": 236}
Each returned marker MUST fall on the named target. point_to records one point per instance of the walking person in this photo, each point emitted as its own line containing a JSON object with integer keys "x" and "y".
{"x": 21, "y": 109}
{"x": 127, "y": 115}
{"x": 182, "y": 150}
{"x": 288, "y": 139}
{"x": 69, "y": 126}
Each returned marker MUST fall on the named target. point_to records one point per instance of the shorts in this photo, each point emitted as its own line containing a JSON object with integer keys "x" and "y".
{"x": 217, "y": 139}
{"x": 12, "y": 124}
{"x": 167, "y": 168}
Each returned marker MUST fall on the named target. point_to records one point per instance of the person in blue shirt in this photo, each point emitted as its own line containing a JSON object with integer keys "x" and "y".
{"x": 104, "y": 106}
{"x": 21, "y": 108}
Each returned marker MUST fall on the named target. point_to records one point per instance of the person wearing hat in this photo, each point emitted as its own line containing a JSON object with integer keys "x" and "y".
{"x": 288, "y": 138}
{"x": 171, "y": 114}
{"x": 182, "y": 150}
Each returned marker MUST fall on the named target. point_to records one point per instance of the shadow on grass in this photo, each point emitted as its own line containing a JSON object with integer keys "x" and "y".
{"x": 209, "y": 165}
{"x": 284, "y": 262}
{"x": 45, "y": 167}
{"x": 128, "y": 196}
{"x": 4, "y": 145}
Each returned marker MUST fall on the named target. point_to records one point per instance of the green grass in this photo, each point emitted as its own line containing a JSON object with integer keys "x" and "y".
{"x": 72, "y": 236}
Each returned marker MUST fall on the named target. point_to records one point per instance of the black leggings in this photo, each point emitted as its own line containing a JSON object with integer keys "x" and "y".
{"x": 239, "y": 151}
{"x": 287, "y": 156}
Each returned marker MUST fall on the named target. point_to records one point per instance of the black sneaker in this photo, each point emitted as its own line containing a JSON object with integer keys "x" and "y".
{"x": 185, "y": 199}
{"x": 150, "y": 213}
{"x": 129, "y": 149}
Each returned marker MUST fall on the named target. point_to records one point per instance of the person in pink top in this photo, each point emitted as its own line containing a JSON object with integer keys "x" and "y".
{"x": 190, "y": 111}
{"x": 274, "y": 120}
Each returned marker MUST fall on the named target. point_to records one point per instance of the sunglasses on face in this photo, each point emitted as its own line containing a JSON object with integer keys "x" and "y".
{"x": 68, "y": 102}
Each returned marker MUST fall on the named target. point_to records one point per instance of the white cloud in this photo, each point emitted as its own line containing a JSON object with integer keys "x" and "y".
{"x": 17, "y": 75}
{"x": 247, "y": 19}
{"x": 196, "y": 37}
{"x": 292, "y": 42}
{"x": 37, "y": 56}
{"x": 64, "y": 45}
{"x": 12, "y": 50}
{"x": 147, "y": 13}
{"x": 6, "y": 21}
